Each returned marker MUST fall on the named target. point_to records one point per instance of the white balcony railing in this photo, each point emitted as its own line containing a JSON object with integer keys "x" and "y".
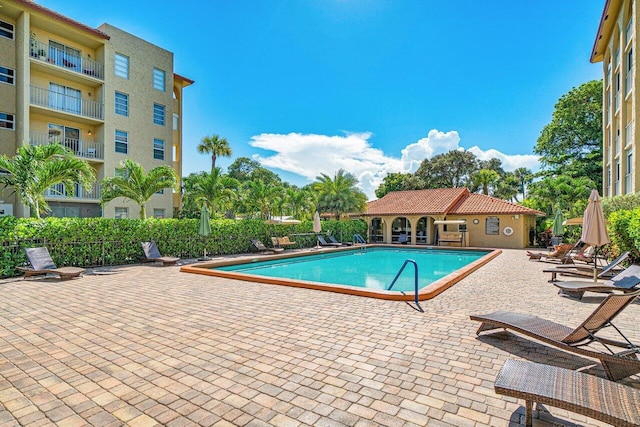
{"x": 617, "y": 145}
{"x": 616, "y": 101}
{"x": 616, "y": 188}
{"x": 67, "y": 60}
{"x": 628, "y": 183}
{"x": 629, "y": 81}
{"x": 628, "y": 133}
{"x": 67, "y": 103}
{"x": 81, "y": 148}
{"x": 59, "y": 191}
{"x": 629, "y": 31}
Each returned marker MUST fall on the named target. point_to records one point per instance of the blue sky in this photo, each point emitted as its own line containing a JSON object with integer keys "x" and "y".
{"x": 308, "y": 87}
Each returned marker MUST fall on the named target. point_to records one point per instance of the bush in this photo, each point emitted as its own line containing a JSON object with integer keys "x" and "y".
{"x": 625, "y": 202}
{"x": 91, "y": 242}
{"x": 624, "y": 231}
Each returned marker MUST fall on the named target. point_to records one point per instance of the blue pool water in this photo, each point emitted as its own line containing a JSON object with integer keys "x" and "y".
{"x": 372, "y": 268}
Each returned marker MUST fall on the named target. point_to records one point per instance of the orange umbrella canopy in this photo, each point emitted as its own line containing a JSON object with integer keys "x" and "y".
{"x": 594, "y": 228}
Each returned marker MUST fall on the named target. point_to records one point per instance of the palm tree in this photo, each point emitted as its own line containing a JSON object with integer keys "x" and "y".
{"x": 339, "y": 195}
{"x": 213, "y": 190}
{"x": 261, "y": 197}
{"x": 298, "y": 201}
{"x": 134, "y": 184}
{"x": 525, "y": 177}
{"x": 35, "y": 168}
{"x": 485, "y": 178}
{"x": 216, "y": 146}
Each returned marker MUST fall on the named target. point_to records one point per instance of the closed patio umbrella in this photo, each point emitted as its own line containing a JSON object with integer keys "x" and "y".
{"x": 204, "y": 229}
{"x": 317, "y": 227}
{"x": 558, "y": 228}
{"x": 594, "y": 228}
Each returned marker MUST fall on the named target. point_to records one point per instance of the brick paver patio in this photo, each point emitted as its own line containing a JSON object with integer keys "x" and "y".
{"x": 145, "y": 345}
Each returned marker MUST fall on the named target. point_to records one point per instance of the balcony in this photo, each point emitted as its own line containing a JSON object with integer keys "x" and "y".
{"x": 629, "y": 32}
{"x": 86, "y": 149}
{"x": 617, "y": 146}
{"x": 59, "y": 58}
{"x": 59, "y": 191}
{"x": 628, "y": 134}
{"x": 616, "y": 102}
{"x": 628, "y": 184}
{"x": 629, "y": 81}
{"x": 66, "y": 103}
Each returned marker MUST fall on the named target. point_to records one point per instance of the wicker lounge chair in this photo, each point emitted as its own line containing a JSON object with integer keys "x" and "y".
{"x": 334, "y": 241}
{"x": 626, "y": 281}
{"x": 560, "y": 254}
{"x": 325, "y": 243}
{"x": 617, "y": 365}
{"x": 588, "y": 395}
{"x": 258, "y": 246}
{"x": 605, "y": 272}
{"x": 41, "y": 264}
{"x": 152, "y": 254}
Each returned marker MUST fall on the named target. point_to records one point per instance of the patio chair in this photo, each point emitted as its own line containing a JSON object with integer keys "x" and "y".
{"x": 325, "y": 243}
{"x": 334, "y": 241}
{"x": 42, "y": 264}
{"x": 588, "y": 395}
{"x": 152, "y": 254}
{"x": 604, "y": 272}
{"x": 625, "y": 281}
{"x": 616, "y": 365}
{"x": 259, "y": 247}
{"x": 559, "y": 253}
{"x": 285, "y": 242}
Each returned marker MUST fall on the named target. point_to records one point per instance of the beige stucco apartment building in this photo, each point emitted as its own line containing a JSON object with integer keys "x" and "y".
{"x": 615, "y": 47}
{"x": 104, "y": 93}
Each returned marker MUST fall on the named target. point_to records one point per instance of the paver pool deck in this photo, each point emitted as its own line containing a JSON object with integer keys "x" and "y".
{"x": 146, "y": 345}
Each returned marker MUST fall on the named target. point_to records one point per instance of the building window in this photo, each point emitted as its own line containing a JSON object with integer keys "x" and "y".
{"x": 6, "y": 30}
{"x": 65, "y": 98}
{"x": 122, "y": 66}
{"x": 7, "y": 121}
{"x": 122, "y": 104}
{"x": 64, "y": 56}
{"x": 122, "y": 141}
{"x": 158, "y": 79}
{"x": 630, "y": 60}
{"x": 492, "y": 226}
{"x": 122, "y": 213}
{"x": 7, "y": 75}
{"x": 176, "y": 121}
{"x": 158, "y": 213}
{"x": 158, "y": 149}
{"x": 158, "y": 114}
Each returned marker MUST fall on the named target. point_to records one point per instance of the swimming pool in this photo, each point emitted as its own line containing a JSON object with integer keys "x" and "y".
{"x": 365, "y": 271}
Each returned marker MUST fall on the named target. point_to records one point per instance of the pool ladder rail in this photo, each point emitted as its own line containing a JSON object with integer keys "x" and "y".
{"x": 415, "y": 277}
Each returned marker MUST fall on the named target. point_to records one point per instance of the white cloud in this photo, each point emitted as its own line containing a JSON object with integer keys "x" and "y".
{"x": 310, "y": 155}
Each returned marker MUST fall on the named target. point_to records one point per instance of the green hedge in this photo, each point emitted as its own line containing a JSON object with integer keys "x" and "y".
{"x": 624, "y": 230}
{"x": 90, "y": 242}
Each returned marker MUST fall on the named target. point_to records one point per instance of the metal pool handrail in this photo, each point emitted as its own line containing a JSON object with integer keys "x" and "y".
{"x": 415, "y": 275}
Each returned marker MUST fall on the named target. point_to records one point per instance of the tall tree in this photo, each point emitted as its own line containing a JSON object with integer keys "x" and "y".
{"x": 261, "y": 197}
{"x": 35, "y": 168}
{"x": 571, "y": 144}
{"x": 244, "y": 169}
{"x": 486, "y": 178}
{"x": 216, "y": 146}
{"x": 399, "y": 182}
{"x": 132, "y": 182}
{"x": 340, "y": 194}
{"x": 524, "y": 177}
{"x": 449, "y": 170}
{"x": 214, "y": 190}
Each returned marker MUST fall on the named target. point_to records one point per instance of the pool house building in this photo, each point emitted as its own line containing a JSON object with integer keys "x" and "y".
{"x": 450, "y": 217}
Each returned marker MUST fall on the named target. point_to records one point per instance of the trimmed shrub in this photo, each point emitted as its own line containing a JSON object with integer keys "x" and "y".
{"x": 91, "y": 242}
{"x": 624, "y": 231}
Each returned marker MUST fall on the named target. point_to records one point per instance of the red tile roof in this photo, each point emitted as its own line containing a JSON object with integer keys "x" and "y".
{"x": 443, "y": 201}
{"x": 37, "y": 7}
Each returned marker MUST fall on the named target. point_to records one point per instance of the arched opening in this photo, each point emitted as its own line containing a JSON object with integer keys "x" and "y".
{"x": 400, "y": 226}
{"x": 376, "y": 231}
{"x": 422, "y": 231}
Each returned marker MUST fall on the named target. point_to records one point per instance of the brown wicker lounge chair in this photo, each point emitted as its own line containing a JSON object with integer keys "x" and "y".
{"x": 626, "y": 281}
{"x": 41, "y": 264}
{"x": 152, "y": 254}
{"x": 559, "y": 254}
{"x": 617, "y": 365}
{"x": 282, "y": 242}
{"x": 258, "y": 246}
{"x": 588, "y": 395}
